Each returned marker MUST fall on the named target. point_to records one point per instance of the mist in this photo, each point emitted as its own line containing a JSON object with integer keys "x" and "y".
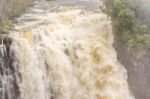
{"x": 142, "y": 10}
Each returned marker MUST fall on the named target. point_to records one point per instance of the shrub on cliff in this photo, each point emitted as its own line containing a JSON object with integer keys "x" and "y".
{"x": 126, "y": 24}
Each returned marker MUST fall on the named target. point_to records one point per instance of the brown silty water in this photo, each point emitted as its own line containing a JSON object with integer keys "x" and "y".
{"x": 63, "y": 50}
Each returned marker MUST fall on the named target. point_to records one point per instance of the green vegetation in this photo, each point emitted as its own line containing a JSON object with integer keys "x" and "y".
{"x": 9, "y": 10}
{"x": 5, "y": 25}
{"x": 126, "y": 24}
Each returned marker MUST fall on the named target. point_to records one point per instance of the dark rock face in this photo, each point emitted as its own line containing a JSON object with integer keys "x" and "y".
{"x": 8, "y": 72}
{"x": 138, "y": 68}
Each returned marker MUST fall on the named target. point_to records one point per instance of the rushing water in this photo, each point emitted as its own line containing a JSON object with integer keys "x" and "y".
{"x": 62, "y": 50}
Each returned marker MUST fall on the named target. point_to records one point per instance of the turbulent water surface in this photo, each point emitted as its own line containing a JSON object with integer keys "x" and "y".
{"x": 62, "y": 50}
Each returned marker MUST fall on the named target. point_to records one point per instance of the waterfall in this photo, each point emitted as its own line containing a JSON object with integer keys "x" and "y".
{"x": 63, "y": 50}
{"x": 8, "y": 70}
